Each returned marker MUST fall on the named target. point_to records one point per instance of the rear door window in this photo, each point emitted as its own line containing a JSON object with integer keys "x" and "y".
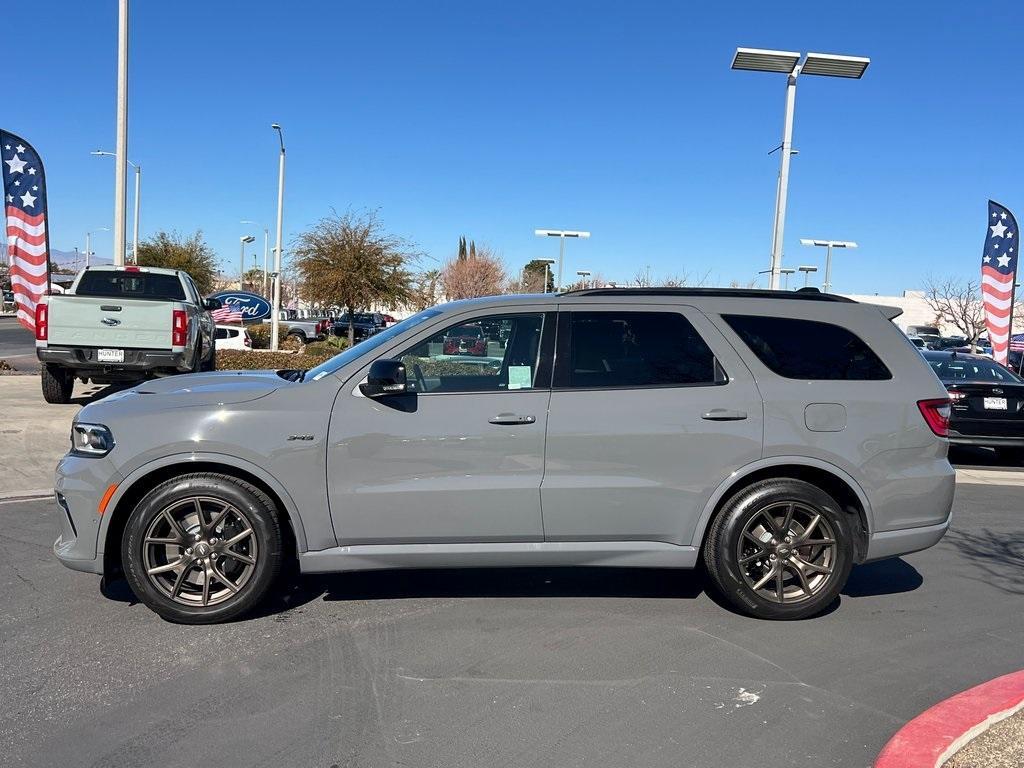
{"x": 619, "y": 350}
{"x": 808, "y": 349}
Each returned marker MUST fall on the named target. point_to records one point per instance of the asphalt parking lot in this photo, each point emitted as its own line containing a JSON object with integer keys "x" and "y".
{"x": 504, "y": 667}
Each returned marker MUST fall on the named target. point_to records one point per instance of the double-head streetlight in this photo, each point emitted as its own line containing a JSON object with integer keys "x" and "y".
{"x": 829, "y": 245}
{"x": 243, "y": 239}
{"x": 793, "y": 65}
{"x": 807, "y": 273}
{"x": 138, "y": 189}
{"x": 88, "y": 242}
{"x": 786, "y": 272}
{"x": 561, "y": 234}
{"x": 275, "y": 318}
{"x": 266, "y": 248}
{"x": 584, "y": 274}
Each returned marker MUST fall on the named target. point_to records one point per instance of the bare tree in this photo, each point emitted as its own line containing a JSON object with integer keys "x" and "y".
{"x": 425, "y": 289}
{"x": 349, "y": 260}
{"x": 477, "y": 273}
{"x": 957, "y": 302}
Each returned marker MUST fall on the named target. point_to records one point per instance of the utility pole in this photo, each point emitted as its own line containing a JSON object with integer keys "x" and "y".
{"x": 275, "y": 321}
{"x": 121, "y": 161}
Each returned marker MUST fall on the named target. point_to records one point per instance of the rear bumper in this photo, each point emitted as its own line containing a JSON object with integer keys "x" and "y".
{"x": 894, "y": 543}
{"x": 987, "y": 441}
{"x": 83, "y": 361}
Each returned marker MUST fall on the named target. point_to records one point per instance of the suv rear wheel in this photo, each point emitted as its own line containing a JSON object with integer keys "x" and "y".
{"x": 202, "y": 548}
{"x": 780, "y": 549}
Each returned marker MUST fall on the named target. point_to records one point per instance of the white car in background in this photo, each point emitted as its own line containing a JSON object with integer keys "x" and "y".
{"x": 232, "y": 337}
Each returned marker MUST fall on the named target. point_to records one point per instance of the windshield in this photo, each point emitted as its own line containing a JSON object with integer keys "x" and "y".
{"x": 353, "y": 353}
{"x": 963, "y": 369}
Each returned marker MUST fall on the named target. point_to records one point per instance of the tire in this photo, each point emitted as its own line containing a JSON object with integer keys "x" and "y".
{"x": 211, "y": 363}
{"x": 742, "y": 549}
{"x": 58, "y": 384}
{"x": 197, "y": 359}
{"x": 197, "y": 591}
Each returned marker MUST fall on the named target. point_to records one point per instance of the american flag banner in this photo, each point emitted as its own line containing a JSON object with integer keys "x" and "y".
{"x": 1017, "y": 342}
{"x": 229, "y": 314}
{"x": 998, "y": 273}
{"x": 28, "y": 242}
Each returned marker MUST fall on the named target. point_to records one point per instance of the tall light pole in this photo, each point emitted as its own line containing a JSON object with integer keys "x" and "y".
{"x": 266, "y": 249}
{"x": 121, "y": 160}
{"x": 88, "y": 242}
{"x": 584, "y": 274}
{"x": 561, "y": 234}
{"x": 807, "y": 273}
{"x": 138, "y": 191}
{"x": 789, "y": 63}
{"x": 828, "y": 245}
{"x": 243, "y": 239}
{"x": 275, "y": 319}
{"x": 547, "y": 271}
{"x": 786, "y": 272}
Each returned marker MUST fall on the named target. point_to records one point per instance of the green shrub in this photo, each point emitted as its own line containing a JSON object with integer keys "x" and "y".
{"x": 331, "y": 346}
{"x": 236, "y": 360}
{"x": 260, "y": 334}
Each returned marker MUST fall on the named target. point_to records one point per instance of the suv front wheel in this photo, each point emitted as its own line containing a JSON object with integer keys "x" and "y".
{"x": 780, "y": 549}
{"x": 202, "y": 548}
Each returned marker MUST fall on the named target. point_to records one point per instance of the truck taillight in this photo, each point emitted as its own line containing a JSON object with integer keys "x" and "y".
{"x": 179, "y": 328}
{"x": 42, "y": 322}
{"x": 936, "y": 413}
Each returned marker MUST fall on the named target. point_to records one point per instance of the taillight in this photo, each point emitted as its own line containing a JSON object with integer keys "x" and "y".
{"x": 179, "y": 328}
{"x": 42, "y": 322}
{"x": 936, "y": 413}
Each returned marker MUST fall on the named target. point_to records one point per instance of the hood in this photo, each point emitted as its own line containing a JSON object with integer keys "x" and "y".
{"x": 190, "y": 390}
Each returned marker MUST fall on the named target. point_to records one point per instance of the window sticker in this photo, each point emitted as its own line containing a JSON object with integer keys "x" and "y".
{"x": 520, "y": 377}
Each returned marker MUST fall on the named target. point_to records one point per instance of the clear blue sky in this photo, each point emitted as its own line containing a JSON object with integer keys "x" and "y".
{"x": 490, "y": 120}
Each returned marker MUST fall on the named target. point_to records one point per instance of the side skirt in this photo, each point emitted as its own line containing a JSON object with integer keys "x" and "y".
{"x": 616, "y": 554}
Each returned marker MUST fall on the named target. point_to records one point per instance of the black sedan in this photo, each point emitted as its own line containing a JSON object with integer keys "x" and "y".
{"x": 988, "y": 401}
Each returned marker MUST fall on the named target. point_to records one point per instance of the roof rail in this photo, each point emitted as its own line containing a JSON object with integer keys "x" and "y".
{"x": 749, "y": 293}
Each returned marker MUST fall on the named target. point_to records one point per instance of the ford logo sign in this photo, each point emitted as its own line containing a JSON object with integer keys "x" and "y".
{"x": 251, "y": 305}
{"x": 110, "y": 321}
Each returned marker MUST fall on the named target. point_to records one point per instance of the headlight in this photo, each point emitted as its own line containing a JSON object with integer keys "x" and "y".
{"x": 91, "y": 440}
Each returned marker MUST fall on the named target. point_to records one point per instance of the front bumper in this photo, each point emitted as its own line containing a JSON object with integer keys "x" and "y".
{"x": 79, "y": 486}
{"x": 82, "y": 360}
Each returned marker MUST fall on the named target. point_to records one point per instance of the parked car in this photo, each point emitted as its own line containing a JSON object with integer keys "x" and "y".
{"x": 232, "y": 337}
{"x": 465, "y": 340}
{"x": 363, "y": 326}
{"x": 987, "y": 399}
{"x": 670, "y": 427}
{"x": 121, "y": 324}
{"x": 303, "y": 330}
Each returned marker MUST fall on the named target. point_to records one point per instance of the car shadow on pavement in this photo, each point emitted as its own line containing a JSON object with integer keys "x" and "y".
{"x": 998, "y": 555}
{"x": 90, "y": 393}
{"x": 885, "y": 577}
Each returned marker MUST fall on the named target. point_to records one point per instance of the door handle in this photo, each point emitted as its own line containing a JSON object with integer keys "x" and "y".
{"x": 724, "y": 414}
{"x": 512, "y": 418}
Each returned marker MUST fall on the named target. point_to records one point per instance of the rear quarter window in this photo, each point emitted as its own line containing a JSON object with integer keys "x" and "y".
{"x": 808, "y": 349}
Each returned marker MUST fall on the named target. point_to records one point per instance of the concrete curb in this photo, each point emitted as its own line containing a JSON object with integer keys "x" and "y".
{"x": 34, "y": 495}
{"x": 934, "y": 736}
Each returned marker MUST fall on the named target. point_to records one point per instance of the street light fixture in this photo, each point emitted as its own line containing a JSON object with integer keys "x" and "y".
{"x": 88, "y": 242}
{"x": 241, "y": 263}
{"x": 807, "y": 273}
{"x": 275, "y": 324}
{"x": 786, "y": 272}
{"x": 266, "y": 249}
{"x": 584, "y": 274}
{"x": 138, "y": 187}
{"x": 829, "y": 245}
{"x": 788, "y": 63}
{"x": 561, "y": 234}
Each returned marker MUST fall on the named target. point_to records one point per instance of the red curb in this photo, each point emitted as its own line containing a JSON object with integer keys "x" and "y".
{"x": 932, "y": 737}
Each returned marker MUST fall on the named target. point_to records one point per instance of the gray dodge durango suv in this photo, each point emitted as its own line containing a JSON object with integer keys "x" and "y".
{"x": 777, "y": 437}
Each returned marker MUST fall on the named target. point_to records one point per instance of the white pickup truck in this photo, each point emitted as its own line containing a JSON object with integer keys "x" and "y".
{"x": 123, "y": 324}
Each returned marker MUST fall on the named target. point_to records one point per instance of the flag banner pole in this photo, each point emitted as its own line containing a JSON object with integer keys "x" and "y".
{"x": 25, "y": 217}
{"x": 998, "y": 276}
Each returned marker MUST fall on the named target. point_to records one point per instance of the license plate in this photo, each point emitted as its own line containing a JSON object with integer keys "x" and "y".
{"x": 117, "y": 356}
{"x": 995, "y": 403}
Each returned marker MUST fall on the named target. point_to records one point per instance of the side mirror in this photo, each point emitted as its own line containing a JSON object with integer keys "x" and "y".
{"x": 211, "y": 304}
{"x": 386, "y": 377}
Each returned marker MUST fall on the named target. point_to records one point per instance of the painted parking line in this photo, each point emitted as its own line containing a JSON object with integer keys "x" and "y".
{"x": 990, "y": 476}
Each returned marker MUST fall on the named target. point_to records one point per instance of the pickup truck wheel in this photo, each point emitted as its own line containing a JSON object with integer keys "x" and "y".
{"x": 202, "y": 548}
{"x": 57, "y": 384}
{"x": 780, "y": 549}
{"x": 211, "y": 363}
